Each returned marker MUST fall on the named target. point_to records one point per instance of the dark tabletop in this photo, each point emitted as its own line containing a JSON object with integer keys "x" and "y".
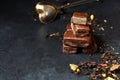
{"x": 26, "y": 53}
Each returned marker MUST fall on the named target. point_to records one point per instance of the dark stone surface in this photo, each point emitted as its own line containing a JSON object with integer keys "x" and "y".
{"x": 26, "y": 53}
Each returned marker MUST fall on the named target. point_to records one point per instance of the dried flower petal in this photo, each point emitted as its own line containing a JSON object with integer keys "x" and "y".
{"x": 111, "y": 27}
{"x": 102, "y": 29}
{"x": 54, "y": 34}
{"x": 115, "y": 76}
{"x": 73, "y": 67}
{"x": 102, "y": 65}
{"x": 35, "y": 19}
{"x": 77, "y": 70}
{"x": 92, "y": 17}
{"x": 114, "y": 67}
{"x": 105, "y": 21}
{"x": 104, "y": 75}
{"x": 117, "y": 53}
{"x": 109, "y": 78}
{"x": 98, "y": 25}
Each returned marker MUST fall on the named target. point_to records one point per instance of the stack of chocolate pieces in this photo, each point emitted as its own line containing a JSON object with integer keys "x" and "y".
{"x": 79, "y": 35}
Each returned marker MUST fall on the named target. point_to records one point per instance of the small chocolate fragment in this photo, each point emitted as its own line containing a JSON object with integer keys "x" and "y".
{"x": 80, "y": 30}
{"x": 91, "y": 49}
{"x": 69, "y": 27}
{"x": 69, "y": 50}
{"x": 71, "y": 40}
{"x": 79, "y": 18}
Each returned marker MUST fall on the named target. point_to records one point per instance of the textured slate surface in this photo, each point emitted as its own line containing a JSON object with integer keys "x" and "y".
{"x": 26, "y": 53}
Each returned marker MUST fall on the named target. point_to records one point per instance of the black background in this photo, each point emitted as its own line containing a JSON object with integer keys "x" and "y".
{"x": 26, "y": 53}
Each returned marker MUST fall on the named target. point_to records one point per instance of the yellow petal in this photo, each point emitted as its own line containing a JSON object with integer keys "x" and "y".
{"x": 73, "y": 67}
{"x": 92, "y": 17}
{"x": 114, "y": 67}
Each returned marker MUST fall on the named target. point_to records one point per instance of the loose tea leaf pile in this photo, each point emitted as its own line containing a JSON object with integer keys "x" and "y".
{"x": 105, "y": 70}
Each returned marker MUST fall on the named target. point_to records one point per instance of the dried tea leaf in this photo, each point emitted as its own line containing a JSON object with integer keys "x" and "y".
{"x": 105, "y": 21}
{"x": 115, "y": 76}
{"x": 93, "y": 30}
{"x": 102, "y": 29}
{"x": 112, "y": 48}
{"x": 102, "y": 65}
{"x": 54, "y": 34}
{"x": 114, "y": 67}
{"x": 117, "y": 53}
{"x": 98, "y": 25}
{"x": 109, "y": 78}
{"x": 35, "y": 19}
{"x": 103, "y": 75}
{"x": 73, "y": 67}
{"x": 111, "y": 27}
{"x": 77, "y": 70}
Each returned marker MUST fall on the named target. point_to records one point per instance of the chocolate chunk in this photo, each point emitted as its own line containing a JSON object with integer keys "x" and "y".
{"x": 79, "y": 18}
{"x": 71, "y": 40}
{"x": 92, "y": 48}
{"x": 69, "y": 50}
{"x": 80, "y": 30}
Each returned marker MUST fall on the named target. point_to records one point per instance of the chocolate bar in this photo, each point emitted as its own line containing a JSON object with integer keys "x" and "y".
{"x": 91, "y": 49}
{"x": 68, "y": 49}
{"x": 79, "y": 18}
{"x": 80, "y": 30}
{"x": 71, "y": 40}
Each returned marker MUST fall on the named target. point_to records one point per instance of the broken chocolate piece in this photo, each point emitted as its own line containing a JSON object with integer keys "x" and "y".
{"x": 91, "y": 49}
{"x": 79, "y": 18}
{"x": 80, "y": 30}
{"x": 68, "y": 49}
{"x": 71, "y": 40}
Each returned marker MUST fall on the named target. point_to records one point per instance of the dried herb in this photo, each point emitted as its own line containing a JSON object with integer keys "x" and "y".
{"x": 103, "y": 71}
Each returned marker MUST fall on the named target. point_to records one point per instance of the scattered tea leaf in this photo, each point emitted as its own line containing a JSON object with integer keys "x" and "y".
{"x": 117, "y": 53}
{"x": 111, "y": 27}
{"x": 114, "y": 67}
{"x": 109, "y": 78}
{"x": 105, "y": 21}
{"x": 74, "y": 68}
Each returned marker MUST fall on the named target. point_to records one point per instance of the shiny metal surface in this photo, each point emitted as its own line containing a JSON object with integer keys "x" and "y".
{"x": 46, "y": 11}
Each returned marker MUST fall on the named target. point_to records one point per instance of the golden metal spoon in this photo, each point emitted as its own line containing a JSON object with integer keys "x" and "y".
{"x": 47, "y": 11}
